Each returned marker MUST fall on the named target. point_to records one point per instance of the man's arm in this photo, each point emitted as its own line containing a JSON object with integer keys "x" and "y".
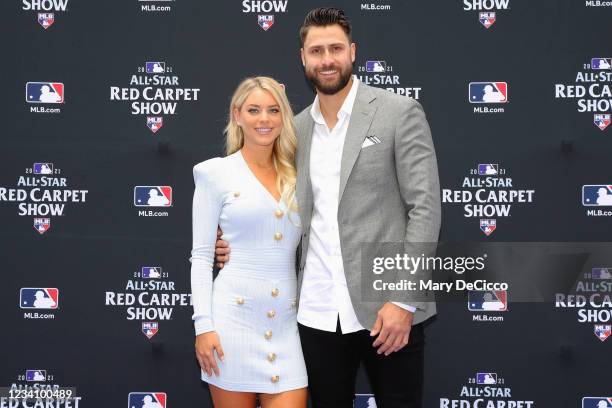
{"x": 417, "y": 175}
{"x": 222, "y": 250}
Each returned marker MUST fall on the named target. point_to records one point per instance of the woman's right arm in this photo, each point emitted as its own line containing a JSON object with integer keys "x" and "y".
{"x": 207, "y": 203}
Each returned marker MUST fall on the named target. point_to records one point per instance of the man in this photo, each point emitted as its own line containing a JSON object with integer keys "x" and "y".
{"x": 367, "y": 172}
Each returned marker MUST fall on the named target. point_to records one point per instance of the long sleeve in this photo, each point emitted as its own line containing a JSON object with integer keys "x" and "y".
{"x": 404, "y": 306}
{"x": 417, "y": 175}
{"x": 207, "y": 202}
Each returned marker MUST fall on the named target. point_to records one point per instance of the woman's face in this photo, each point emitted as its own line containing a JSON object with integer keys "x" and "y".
{"x": 260, "y": 118}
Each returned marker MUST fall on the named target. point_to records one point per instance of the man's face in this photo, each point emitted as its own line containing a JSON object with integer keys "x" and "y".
{"x": 328, "y": 58}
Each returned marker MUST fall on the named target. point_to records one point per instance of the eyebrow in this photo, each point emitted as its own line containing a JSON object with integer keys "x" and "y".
{"x": 269, "y": 106}
{"x": 327, "y": 45}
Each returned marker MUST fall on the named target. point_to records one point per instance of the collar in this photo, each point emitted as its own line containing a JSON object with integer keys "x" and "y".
{"x": 345, "y": 109}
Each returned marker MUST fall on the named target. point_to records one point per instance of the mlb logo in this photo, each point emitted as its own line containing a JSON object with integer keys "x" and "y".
{"x": 151, "y": 272}
{"x": 153, "y": 196}
{"x": 487, "y": 19}
{"x": 150, "y": 329}
{"x": 597, "y": 402}
{"x": 376, "y": 66}
{"x": 147, "y": 400}
{"x": 155, "y": 123}
{"x": 265, "y": 21}
{"x": 601, "y": 273}
{"x": 601, "y": 63}
{"x": 487, "y": 300}
{"x": 597, "y": 195}
{"x": 42, "y": 225}
{"x": 488, "y": 92}
{"x": 602, "y": 331}
{"x": 45, "y": 92}
{"x": 43, "y": 168}
{"x": 36, "y": 375}
{"x": 46, "y": 19}
{"x": 488, "y": 169}
{"x": 488, "y": 226}
{"x": 39, "y": 298}
{"x": 155, "y": 67}
{"x": 601, "y": 120}
{"x": 486, "y": 378}
{"x": 364, "y": 401}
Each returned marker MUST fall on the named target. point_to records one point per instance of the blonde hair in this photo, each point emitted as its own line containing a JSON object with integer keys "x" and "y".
{"x": 283, "y": 151}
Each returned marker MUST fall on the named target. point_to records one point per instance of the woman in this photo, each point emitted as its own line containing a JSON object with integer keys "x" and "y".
{"x": 247, "y": 341}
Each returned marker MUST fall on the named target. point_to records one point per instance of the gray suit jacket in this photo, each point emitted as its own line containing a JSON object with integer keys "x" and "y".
{"x": 389, "y": 192}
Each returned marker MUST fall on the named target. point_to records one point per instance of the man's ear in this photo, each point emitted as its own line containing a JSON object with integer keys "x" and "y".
{"x": 302, "y": 57}
{"x": 353, "y": 52}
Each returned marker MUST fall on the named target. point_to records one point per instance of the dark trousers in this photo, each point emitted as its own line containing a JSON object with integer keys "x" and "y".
{"x": 332, "y": 361}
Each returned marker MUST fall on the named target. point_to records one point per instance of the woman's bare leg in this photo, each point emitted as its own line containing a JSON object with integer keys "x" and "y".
{"x": 231, "y": 399}
{"x": 288, "y": 399}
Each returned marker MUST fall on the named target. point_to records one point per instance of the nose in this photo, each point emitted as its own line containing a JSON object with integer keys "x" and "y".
{"x": 326, "y": 58}
{"x": 264, "y": 117}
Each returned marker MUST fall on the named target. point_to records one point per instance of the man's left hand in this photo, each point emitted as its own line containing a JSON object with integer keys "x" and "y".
{"x": 392, "y": 326}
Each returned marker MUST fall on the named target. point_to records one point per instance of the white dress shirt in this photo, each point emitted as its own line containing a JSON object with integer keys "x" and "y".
{"x": 324, "y": 296}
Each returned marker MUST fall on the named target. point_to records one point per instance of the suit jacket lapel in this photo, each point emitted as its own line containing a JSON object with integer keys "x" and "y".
{"x": 303, "y": 185}
{"x": 360, "y": 121}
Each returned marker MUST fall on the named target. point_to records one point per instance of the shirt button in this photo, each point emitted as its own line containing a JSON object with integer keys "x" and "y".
{"x": 236, "y": 193}
{"x": 275, "y": 292}
{"x": 240, "y": 301}
{"x": 271, "y": 357}
{"x": 278, "y": 213}
{"x": 275, "y": 378}
{"x": 268, "y": 335}
{"x": 278, "y": 236}
{"x": 271, "y": 313}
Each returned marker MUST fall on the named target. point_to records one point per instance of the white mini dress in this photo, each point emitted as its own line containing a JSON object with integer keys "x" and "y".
{"x": 252, "y": 302}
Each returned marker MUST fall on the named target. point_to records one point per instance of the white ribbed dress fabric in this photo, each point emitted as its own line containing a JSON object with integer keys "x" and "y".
{"x": 255, "y": 293}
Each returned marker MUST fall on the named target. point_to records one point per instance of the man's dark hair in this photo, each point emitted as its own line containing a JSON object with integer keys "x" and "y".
{"x": 325, "y": 16}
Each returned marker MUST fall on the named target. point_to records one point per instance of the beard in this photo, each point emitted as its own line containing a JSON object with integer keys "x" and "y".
{"x": 331, "y": 88}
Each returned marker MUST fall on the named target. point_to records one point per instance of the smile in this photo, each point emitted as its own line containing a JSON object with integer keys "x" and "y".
{"x": 328, "y": 72}
{"x": 263, "y": 131}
